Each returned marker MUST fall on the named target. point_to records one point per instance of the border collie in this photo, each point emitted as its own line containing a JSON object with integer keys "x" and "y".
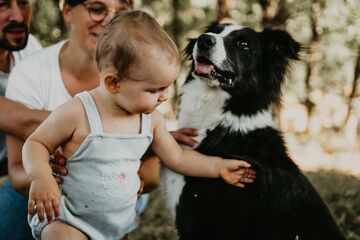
{"x": 236, "y": 76}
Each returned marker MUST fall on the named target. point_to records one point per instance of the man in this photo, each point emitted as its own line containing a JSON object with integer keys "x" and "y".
{"x": 15, "y": 44}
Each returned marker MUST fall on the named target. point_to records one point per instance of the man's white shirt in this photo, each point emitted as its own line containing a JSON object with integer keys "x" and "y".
{"x": 32, "y": 46}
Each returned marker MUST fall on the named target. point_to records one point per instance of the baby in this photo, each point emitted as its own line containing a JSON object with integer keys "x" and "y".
{"x": 104, "y": 133}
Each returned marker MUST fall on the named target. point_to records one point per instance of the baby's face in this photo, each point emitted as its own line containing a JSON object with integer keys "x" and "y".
{"x": 148, "y": 83}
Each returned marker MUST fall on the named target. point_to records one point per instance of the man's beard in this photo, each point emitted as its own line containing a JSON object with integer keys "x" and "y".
{"x": 21, "y": 42}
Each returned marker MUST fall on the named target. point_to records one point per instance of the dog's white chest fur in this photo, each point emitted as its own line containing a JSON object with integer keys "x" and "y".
{"x": 200, "y": 108}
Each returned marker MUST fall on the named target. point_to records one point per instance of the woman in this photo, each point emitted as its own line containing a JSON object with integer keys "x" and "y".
{"x": 57, "y": 73}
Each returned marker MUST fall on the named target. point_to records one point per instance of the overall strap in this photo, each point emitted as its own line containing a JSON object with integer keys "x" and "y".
{"x": 92, "y": 112}
{"x": 146, "y": 123}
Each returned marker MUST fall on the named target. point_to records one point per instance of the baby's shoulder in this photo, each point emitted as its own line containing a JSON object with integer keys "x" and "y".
{"x": 157, "y": 116}
{"x": 71, "y": 108}
{"x": 157, "y": 120}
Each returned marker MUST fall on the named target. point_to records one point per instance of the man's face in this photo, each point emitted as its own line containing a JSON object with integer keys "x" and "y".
{"x": 14, "y": 24}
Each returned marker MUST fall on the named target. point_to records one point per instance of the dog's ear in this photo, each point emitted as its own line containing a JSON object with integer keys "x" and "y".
{"x": 280, "y": 45}
{"x": 279, "y": 49}
{"x": 189, "y": 48}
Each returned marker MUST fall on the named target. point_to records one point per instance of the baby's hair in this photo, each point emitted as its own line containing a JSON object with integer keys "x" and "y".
{"x": 126, "y": 37}
{"x": 73, "y": 3}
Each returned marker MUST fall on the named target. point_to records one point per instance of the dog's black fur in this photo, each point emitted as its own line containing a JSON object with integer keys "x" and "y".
{"x": 281, "y": 204}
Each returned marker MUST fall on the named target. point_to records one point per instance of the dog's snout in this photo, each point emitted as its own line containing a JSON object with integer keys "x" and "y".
{"x": 206, "y": 41}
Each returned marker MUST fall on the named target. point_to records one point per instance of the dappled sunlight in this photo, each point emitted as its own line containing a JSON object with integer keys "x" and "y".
{"x": 328, "y": 144}
{"x": 310, "y": 155}
{"x": 293, "y": 115}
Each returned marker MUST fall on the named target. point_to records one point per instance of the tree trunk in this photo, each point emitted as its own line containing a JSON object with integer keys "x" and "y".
{"x": 354, "y": 86}
{"x": 56, "y": 4}
{"x": 311, "y": 59}
{"x": 274, "y": 13}
{"x": 175, "y": 31}
{"x": 61, "y": 22}
{"x": 222, "y": 10}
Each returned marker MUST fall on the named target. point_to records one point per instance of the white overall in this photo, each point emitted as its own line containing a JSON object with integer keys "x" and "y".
{"x": 100, "y": 192}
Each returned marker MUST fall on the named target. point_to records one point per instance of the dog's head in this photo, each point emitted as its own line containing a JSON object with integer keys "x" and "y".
{"x": 249, "y": 65}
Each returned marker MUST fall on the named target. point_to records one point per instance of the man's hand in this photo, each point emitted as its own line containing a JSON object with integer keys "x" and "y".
{"x": 57, "y": 164}
{"x": 185, "y": 136}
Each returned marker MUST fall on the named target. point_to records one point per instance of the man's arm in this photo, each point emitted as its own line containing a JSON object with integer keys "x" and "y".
{"x": 49, "y": 134}
{"x": 17, "y": 175}
{"x": 18, "y": 120}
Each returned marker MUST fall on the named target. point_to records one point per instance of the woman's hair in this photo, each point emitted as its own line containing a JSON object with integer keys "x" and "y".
{"x": 73, "y": 3}
{"x": 123, "y": 41}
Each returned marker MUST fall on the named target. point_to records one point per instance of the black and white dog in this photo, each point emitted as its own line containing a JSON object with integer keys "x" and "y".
{"x": 236, "y": 76}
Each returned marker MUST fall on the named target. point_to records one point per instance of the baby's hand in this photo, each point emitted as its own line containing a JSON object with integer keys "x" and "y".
{"x": 237, "y": 172}
{"x": 45, "y": 195}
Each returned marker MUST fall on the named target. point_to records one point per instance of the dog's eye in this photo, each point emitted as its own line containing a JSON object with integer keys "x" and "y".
{"x": 242, "y": 44}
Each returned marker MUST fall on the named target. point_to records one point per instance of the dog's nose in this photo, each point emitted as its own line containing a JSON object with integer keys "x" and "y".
{"x": 206, "y": 41}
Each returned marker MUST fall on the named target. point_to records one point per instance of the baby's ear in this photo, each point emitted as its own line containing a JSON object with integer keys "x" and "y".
{"x": 112, "y": 83}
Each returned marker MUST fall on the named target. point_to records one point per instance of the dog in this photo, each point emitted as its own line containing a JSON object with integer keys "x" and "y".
{"x": 236, "y": 77}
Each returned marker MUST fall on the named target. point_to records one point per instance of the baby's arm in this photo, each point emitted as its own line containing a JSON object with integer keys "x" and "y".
{"x": 52, "y": 133}
{"x": 192, "y": 163}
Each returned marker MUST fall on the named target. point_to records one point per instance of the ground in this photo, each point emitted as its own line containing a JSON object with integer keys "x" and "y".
{"x": 340, "y": 191}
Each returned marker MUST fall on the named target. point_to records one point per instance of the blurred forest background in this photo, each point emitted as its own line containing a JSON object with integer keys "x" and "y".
{"x": 320, "y": 115}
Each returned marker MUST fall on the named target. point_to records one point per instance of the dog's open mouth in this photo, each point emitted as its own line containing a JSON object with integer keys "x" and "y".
{"x": 206, "y": 69}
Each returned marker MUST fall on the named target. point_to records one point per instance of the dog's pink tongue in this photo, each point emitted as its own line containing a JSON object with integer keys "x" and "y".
{"x": 203, "y": 68}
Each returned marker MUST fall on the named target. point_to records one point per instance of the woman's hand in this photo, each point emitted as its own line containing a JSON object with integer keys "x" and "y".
{"x": 57, "y": 163}
{"x": 185, "y": 136}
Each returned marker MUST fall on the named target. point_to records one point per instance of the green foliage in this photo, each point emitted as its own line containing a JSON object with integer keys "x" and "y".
{"x": 338, "y": 26}
{"x": 46, "y": 22}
